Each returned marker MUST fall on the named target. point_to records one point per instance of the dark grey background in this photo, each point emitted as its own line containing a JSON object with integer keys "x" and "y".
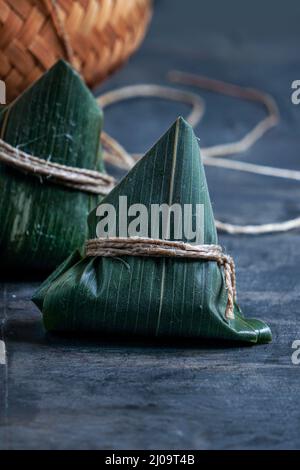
{"x": 80, "y": 393}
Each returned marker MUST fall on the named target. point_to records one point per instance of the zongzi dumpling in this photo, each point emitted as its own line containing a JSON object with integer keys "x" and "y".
{"x": 157, "y": 296}
{"x": 57, "y": 120}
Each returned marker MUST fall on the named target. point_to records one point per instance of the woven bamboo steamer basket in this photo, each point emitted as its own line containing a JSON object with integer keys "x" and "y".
{"x": 96, "y": 36}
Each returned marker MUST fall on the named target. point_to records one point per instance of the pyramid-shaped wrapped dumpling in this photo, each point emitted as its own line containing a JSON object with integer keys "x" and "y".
{"x": 152, "y": 296}
{"x": 58, "y": 120}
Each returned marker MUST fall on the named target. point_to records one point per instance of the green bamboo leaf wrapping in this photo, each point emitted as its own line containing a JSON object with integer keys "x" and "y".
{"x": 42, "y": 222}
{"x": 158, "y": 297}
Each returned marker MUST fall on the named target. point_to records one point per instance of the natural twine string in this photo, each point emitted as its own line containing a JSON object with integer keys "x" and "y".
{"x": 77, "y": 178}
{"x": 250, "y": 94}
{"x": 153, "y": 248}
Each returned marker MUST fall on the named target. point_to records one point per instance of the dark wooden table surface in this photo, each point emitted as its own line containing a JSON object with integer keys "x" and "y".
{"x": 80, "y": 393}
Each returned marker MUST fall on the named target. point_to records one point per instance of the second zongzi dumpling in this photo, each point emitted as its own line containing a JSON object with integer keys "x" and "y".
{"x": 57, "y": 120}
{"x": 154, "y": 296}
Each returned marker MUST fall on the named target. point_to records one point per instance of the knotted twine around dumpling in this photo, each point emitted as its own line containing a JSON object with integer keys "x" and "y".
{"x": 156, "y": 248}
{"x": 89, "y": 181}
